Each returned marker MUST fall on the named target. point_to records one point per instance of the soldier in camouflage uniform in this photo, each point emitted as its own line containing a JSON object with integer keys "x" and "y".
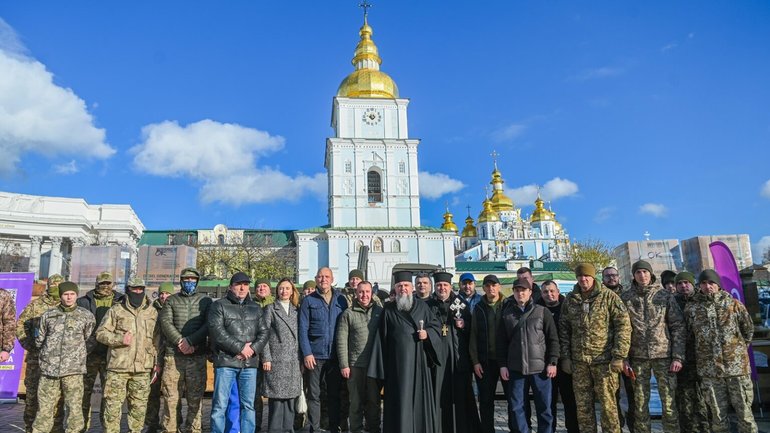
{"x": 722, "y": 330}
{"x": 611, "y": 280}
{"x": 129, "y": 331}
{"x": 263, "y": 297}
{"x": 657, "y": 345}
{"x": 98, "y": 301}
{"x": 152, "y": 418}
{"x": 26, "y": 330}
{"x": 693, "y": 414}
{"x": 595, "y": 334}
{"x": 183, "y": 322}
{"x": 64, "y": 339}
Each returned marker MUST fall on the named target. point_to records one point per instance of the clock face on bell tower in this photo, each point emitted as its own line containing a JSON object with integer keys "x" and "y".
{"x": 371, "y": 117}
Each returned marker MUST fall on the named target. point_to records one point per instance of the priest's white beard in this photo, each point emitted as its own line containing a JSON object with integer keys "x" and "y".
{"x": 404, "y": 302}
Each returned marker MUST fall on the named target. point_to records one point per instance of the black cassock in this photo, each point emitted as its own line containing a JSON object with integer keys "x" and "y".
{"x": 457, "y": 406}
{"x": 404, "y": 364}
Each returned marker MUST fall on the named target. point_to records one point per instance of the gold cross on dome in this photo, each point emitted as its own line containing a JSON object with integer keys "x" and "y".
{"x": 365, "y": 5}
{"x": 494, "y": 155}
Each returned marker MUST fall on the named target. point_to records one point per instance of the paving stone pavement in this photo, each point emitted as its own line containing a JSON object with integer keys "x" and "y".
{"x": 11, "y": 419}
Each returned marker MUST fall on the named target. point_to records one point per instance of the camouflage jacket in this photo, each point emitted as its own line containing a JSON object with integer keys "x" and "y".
{"x": 689, "y": 346}
{"x": 722, "y": 330}
{"x": 594, "y": 329}
{"x": 7, "y": 321}
{"x": 28, "y": 325}
{"x": 657, "y": 324}
{"x": 64, "y": 340}
{"x": 141, "y": 354}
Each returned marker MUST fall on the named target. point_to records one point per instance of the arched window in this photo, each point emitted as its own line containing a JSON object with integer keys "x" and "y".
{"x": 396, "y": 246}
{"x": 221, "y": 239}
{"x": 359, "y": 244}
{"x": 377, "y": 245}
{"x": 374, "y": 186}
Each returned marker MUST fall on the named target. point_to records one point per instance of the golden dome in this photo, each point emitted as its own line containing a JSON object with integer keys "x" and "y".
{"x": 367, "y": 81}
{"x": 500, "y": 201}
{"x": 541, "y": 213}
{"x": 488, "y": 214}
{"x": 448, "y": 223}
{"x": 469, "y": 231}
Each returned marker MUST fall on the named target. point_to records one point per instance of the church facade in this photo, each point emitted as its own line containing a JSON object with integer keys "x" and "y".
{"x": 502, "y": 233}
{"x": 374, "y": 198}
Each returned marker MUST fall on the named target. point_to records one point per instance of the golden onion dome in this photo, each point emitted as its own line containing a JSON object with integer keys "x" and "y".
{"x": 448, "y": 223}
{"x": 500, "y": 201}
{"x": 541, "y": 213}
{"x": 488, "y": 214}
{"x": 367, "y": 81}
{"x": 469, "y": 231}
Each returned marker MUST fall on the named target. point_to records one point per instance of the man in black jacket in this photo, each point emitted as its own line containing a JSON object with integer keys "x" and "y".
{"x": 98, "y": 301}
{"x": 238, "y": 336}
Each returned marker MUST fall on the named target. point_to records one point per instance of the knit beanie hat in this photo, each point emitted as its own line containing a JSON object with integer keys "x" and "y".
{"x": 166, "y": 287}
{"x": 707, "y": 275}
{"x": 68, "y": 286}
{"x": 685, "y": 276}
{"x": 585, "y": 269}
{"x": 356, "y": 273}
{"x": 667, "y": 277}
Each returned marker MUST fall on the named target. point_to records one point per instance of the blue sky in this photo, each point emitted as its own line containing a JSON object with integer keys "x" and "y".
{"x": 634, "y": 117}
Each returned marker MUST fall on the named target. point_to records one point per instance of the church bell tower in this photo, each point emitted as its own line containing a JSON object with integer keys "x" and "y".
{"x": 370, "y": 159}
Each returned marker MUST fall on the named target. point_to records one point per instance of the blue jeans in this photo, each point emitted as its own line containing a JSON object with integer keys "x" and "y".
{"x": 223, "y": 384}
{"x": 541, "y": 393}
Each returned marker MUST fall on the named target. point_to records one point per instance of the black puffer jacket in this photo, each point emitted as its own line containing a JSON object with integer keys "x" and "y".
{"x": 233, "y": 324}
{"x": 88, "y": 301}
{"x": 184, "y": 316}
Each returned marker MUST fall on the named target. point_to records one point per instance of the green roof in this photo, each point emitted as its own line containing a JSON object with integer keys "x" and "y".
{"x": 480, "y": 267}
{"x": 278, "y": 238}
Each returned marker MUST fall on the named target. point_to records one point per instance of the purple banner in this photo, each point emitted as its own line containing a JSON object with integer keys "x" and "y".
{"x": 19, "y": 284}
{"x": 724, "y": 264}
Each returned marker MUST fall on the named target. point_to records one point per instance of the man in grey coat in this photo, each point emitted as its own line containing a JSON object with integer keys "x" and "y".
{"x": 355, "y": 336}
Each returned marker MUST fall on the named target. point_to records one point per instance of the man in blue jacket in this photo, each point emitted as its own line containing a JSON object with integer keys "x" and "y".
{"x": 318, "y": 315}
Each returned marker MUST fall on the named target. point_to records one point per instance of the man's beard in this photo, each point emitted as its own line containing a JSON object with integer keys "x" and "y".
{"x": 404, "y": 302}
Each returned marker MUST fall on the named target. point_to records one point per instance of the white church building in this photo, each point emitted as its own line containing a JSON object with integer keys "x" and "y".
{"x": 374, "y": 197}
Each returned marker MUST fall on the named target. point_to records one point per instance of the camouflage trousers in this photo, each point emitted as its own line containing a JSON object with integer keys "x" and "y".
{"x": 183, "y": 375}
{"x": 693, "y": 414}
{"x": 132, "y": 388}
{"x": 31, "y": 406}
{"x": 96, "y": 365}
{"x": 50, "y": 389}
{"x": 737, "y": 392}
{"x": 644, "y": 369}
{"x": 592, "y": 382}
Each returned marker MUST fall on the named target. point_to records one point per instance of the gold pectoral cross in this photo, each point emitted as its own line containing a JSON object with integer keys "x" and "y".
{"x": 444, "y": 330}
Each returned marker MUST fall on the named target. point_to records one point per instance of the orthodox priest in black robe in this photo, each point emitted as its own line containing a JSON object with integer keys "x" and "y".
{"x": 403, "y": 357}
{"x": 457, "y": 406}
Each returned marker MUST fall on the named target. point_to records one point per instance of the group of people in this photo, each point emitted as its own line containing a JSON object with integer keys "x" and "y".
{"x": 398, "y": 362}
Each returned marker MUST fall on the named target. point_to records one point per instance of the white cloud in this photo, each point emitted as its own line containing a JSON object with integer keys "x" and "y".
{"x": 39, "y": 116}
{"x": 553, "y": 190}
{"x": 669, "y": 46}
{"x": 604, "y": 214}
{"x": 758, "y": 248}
{"x": 66, "y": 168}
{"x": 597, "y": 73}
{"x": 435, "y": 185}
{"x": 224, "y": 157}
{"x": 655, "y": 209}
{"x": 765, "y": 191}
{"x": 509, "y": 132}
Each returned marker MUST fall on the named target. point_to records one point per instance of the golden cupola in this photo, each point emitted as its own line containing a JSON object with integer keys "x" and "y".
{"x": 367, "y": 81}
{"x": 448, "y": 223}
{"x": 488, "y": 214}
{"x": 541, "y": 213}
{"x": 469, "y": 231}
{"x": 500, "y": 201}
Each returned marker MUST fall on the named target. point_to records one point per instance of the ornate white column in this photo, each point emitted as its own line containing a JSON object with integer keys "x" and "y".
{"x": 54, "y": 265}
{"x": 34, "y": 255}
